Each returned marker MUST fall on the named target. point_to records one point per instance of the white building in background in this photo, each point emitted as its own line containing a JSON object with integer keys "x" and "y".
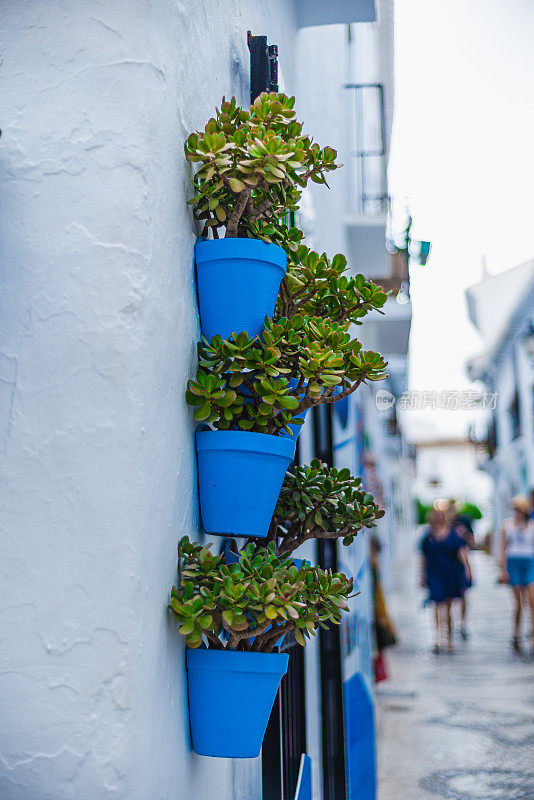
{"x": 502, "y": 308}
{"x": 99, "y": 332}
{"x": 354, "y": 110}
{"x": 389, "y": 456}
{"x": 449, "y": 469}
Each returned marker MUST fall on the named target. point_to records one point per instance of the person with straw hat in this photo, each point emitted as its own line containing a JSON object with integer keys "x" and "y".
{"x": 516, "y": 562}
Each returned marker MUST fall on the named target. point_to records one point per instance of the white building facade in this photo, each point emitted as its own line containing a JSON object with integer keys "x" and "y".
{"x": 99, "y": 332}
{"x": 505, "y": 440}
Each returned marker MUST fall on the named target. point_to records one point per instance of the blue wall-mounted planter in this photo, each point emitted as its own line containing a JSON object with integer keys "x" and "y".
{"x": 231, "y": 694}
{"x": 240, "y": 475}
{"x": 238, "y": 282}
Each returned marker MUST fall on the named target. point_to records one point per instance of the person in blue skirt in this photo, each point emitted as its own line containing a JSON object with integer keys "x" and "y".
{"x": 444, "y": 569}
{"x": 516, "y": 563}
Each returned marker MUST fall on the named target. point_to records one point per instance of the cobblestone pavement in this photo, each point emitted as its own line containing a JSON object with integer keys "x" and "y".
{"x": 459, "y": 726}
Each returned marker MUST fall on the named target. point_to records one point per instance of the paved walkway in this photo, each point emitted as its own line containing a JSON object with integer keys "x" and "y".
{"x": 461, "y": 726}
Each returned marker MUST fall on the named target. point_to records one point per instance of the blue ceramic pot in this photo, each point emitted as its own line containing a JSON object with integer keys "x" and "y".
{"x": 238, "y": 282}
{"x": 231, "y": 694}
{"x": 240, "y": 475}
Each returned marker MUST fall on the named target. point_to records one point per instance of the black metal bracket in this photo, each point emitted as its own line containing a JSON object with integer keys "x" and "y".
{"x": 263, "y": 65}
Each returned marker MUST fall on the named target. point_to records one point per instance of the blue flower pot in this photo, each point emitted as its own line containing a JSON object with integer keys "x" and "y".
{"x": 240, "y": 475}
{"x": 231, "y": 694}
{"x": 238, "y": 282}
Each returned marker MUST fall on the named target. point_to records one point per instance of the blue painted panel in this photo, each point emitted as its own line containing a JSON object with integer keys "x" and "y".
{"x": 359, "y": 739}
{"x": 304, "y": 783}
{"x": 356, "y": 627}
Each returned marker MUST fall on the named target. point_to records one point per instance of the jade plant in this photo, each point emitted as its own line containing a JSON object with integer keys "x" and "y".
{"x": 318, "y": 502}
{"x": 321, "y": 287}
{"x": 254, "y": 164}
{"x": 261, "y": 384}
{"x": 255, "y": 601}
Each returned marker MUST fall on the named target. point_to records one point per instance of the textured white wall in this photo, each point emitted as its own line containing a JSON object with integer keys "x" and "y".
{"x": 98, "y": 327}
{"x": 455, "y": 466}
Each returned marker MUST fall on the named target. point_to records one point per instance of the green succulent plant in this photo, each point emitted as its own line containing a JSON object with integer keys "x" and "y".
{"x": 320, "y": 502}
{"x": 262, "y": 383}
{"x": 257, "y": 600}
{"x": 254, "y": 164}
{"x": 317, "y": 286}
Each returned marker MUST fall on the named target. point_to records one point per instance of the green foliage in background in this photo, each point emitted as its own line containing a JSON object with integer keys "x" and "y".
{"x": 421, "y": 511}
{"x": 470, "y": 510}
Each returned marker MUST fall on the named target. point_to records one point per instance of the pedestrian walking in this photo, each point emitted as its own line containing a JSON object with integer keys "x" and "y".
{"x": 444, "y": 565}
{"x": 516, "y": 563}
{"x": 464, "y": 529}
{"x": 385, "y": 635}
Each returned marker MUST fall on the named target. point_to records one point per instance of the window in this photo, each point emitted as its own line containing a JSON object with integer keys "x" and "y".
{"x": 369, "y": 154}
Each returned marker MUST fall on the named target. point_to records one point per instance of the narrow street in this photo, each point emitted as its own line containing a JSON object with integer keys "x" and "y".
{"x": 460, "y": 726}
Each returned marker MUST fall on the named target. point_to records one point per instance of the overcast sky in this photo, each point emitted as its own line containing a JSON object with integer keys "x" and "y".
{"x": 463, "y": 152}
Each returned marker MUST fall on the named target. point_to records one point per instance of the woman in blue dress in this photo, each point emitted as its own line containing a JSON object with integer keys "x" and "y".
{"x": 444, "y": 569}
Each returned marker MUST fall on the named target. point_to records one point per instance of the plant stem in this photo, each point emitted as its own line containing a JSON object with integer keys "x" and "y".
{"x": 273, "y": 528}
{"x": 266, "y": 642}
{"x": 261, "y": 209}
{"x": 341, "y": 395}
{"x": 248, "y": 633}
{"x": 233, "y": 222}
{"x": 287, "y": 546}
{"x": 214, "y": 640}
{"x": 308, "y": 402}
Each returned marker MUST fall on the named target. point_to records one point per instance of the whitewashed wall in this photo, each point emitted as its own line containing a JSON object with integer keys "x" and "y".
{"x": 455, "y": 466}
{"x": 512, "y": 468}
{"x": 98, "y": 329}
